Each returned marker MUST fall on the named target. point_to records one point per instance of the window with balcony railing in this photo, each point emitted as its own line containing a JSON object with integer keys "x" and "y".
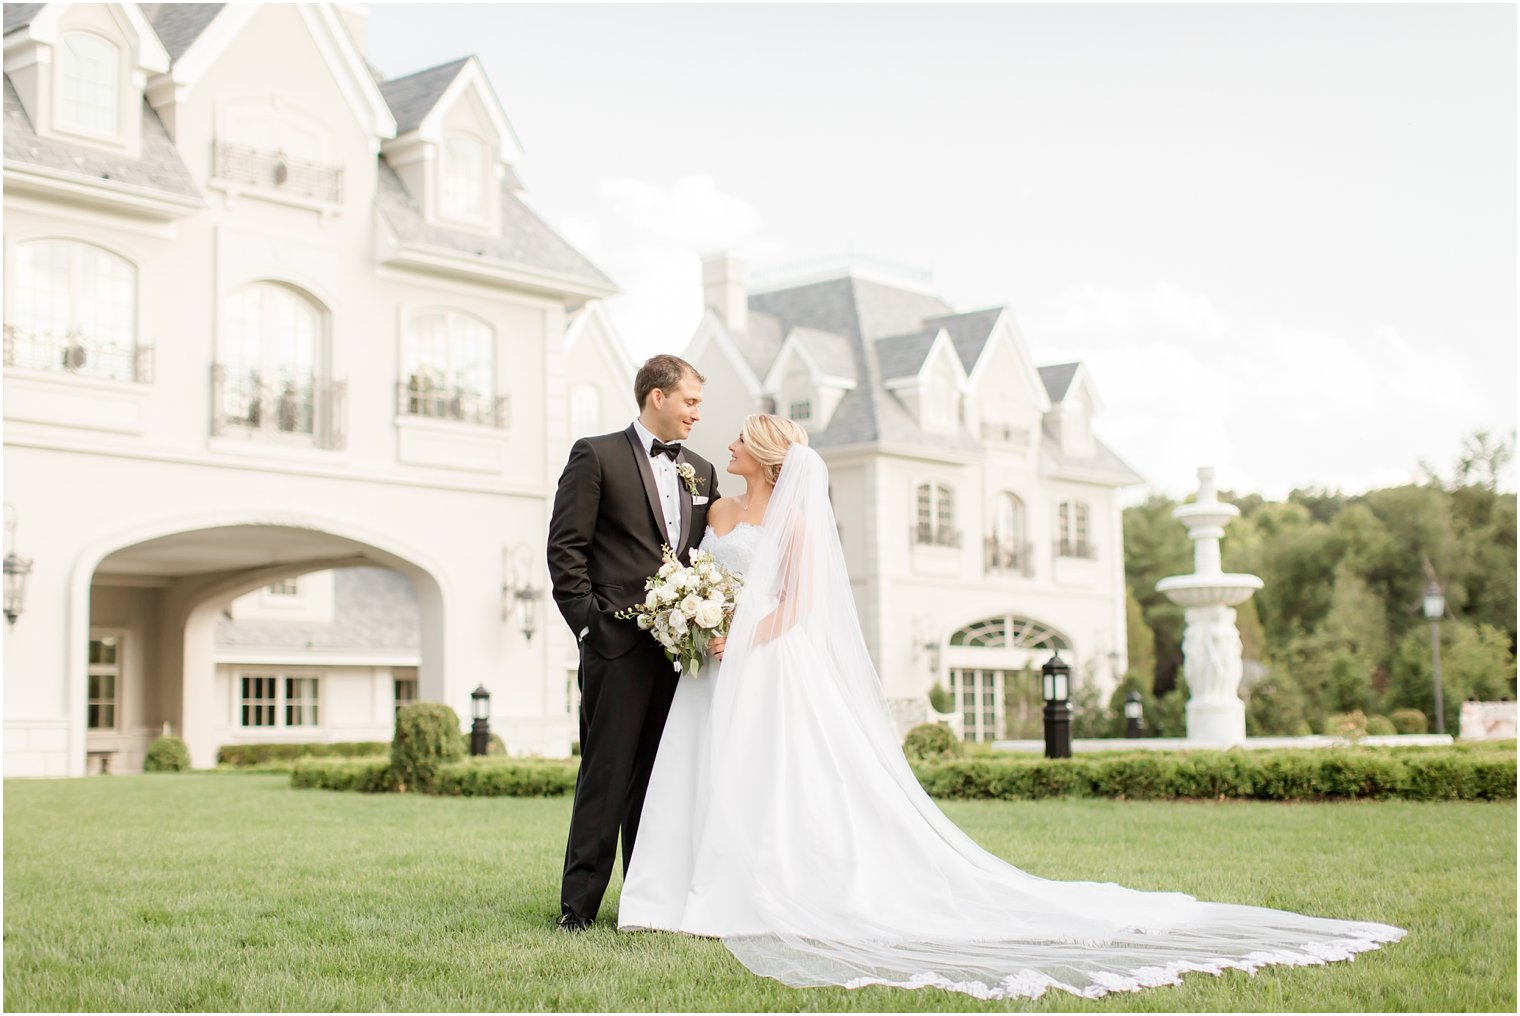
{"x": 74, "y": 310}
{"x": 448, "y": 370}
{"x": 935, "y": 522}
{"x": 1009, "y": 558}
{"x": 274, "y": 170}
{"x": 1073, "y": 541}
{"x": 268, "y": 381}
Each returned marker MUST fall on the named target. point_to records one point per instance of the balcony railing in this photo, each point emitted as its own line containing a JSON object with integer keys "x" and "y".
{"x": 995, "y": 432}
{"x": 275, "y": 170}
{"x": 76, "y": 353}
{"x": 1009, "y": 558}
{"x": 419, "y": 397}
{"x": 1076, "y": 548}
{"x": 935, "y": 536}
{"x": 245, "y": 401}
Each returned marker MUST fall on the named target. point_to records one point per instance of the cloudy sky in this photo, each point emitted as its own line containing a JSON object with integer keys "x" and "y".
{"x": 1282, "y": 237}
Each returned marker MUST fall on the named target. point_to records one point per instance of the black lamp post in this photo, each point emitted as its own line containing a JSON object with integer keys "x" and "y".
{"x": 480, "y": 713}
{"x": 1056, "y": 690}
{"x": 1134, "y": 712}
{"x": 1435, "y": 609}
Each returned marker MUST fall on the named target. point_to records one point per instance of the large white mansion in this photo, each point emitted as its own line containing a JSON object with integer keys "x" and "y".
{"x": 977, "y": 510}
{"x": 291, "y": 370}
{"x": 259, "y": 326}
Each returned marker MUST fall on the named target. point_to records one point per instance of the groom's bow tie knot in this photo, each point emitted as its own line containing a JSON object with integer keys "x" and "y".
{"x": 661, "y": 448}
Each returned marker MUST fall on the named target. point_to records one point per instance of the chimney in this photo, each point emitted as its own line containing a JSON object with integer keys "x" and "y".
{"x": 724, "y": 291}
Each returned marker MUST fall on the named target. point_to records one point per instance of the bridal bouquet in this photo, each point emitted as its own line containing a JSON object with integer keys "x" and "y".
{"x": 686, "y": 607}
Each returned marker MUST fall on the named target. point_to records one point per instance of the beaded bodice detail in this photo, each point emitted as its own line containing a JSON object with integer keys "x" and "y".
{"x": 735, "y": 549}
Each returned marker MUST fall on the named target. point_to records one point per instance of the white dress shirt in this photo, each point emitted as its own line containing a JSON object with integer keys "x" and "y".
{"x": 667, "y": 483}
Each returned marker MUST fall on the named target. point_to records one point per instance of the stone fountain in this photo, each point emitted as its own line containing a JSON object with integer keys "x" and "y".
{"x": 1211, "y": 642}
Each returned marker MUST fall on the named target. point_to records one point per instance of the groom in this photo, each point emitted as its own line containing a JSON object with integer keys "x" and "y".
{"x": 621, "y": 497}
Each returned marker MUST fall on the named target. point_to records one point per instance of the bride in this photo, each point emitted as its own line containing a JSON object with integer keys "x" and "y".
{"x": 783, "y": 818}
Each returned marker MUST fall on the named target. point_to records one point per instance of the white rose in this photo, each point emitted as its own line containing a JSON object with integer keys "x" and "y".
{"x": 643, "y": 622}
{"x": 667, "y": 595}
{"x": 652, "y": 600}
{"x": 677, "y": 623}
{"x": 690, "y": 604}
{"x": 709, "y": 615}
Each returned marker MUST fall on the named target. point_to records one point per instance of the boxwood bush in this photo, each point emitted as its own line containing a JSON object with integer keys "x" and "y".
{"x": 1288, "y": 775}
{"x": 167, "y": 754}
{"x": 263, "y": 754}
{"x": 427, "y": 738}
{"x": 368, "y": 775}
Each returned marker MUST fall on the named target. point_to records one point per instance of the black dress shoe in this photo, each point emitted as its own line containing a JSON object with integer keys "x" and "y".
{"x": 571, "y": 921}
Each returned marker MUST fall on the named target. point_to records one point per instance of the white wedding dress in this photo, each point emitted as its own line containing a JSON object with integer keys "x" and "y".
{"x": 782, "y": 818}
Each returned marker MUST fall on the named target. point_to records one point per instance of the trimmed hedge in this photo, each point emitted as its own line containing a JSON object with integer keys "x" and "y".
{"x": 367, "y": 775}
{"x": 497, "y": 776}
{"x": 493, "y": 776}
{"x": 1293, "y": 775}
{"x": 260, "y": 754}
{"x": 929, "y": 741}
{"x": 427, "y": 738}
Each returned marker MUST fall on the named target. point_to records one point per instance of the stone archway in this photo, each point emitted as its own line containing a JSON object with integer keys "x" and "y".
{"x": 168, "y": 585}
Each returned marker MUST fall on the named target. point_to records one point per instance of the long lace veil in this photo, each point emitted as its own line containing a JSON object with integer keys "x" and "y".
{"x": 919, "y": 904}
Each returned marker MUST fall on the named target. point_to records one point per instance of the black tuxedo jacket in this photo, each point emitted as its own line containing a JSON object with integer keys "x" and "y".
{"x": 606, "y": 532}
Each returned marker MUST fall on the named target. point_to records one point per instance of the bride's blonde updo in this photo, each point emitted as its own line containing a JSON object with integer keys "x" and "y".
{"x": 767, "y": 438}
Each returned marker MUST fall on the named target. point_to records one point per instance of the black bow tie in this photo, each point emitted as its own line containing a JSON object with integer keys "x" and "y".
{"x": 661, "y": 448}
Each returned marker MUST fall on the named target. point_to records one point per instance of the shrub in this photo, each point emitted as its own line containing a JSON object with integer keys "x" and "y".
{"x": 496, "y": 746}
{"x": 504, "y": 777}
{"x": 1352, "y": 726}
{"x": 167, "y": 754}
{"x": 1289, "y": 775}
{"x": 930, "y": 741}
{"x": 368, "y": 775}
{"x": 1409, "y": 721}
{"x": 261, "y": 754}
{"x": 940, "y": 700}
{"x": 427, "y": 737}
{"x": 1381, "y": 726}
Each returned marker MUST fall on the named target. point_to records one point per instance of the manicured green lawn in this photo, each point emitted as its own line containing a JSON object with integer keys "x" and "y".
{"x": 210, "y": 892}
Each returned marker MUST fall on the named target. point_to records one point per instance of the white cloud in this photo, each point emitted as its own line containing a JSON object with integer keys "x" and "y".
{"x": 1273, "y": 405}
{"x": 651, "y": 239}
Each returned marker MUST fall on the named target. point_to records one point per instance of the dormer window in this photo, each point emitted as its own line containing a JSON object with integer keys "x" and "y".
{"x": 462, "y": 187}
{"x": 89, "y": 80}
{"x": 801, "y": 410}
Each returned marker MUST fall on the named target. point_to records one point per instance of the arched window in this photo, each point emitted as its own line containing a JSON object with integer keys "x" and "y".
{"x": 89, "y": 83}
{"x": 74, "y": 308}
{"x": 995, "y": 684}
{"x": 272, "y": 338}
{"x": 936, "y": 516}
{"x": 1006, "y": 548}
{"x": 1075, "y": 540}
{"x": 448, "y": 364}
{"x": 462, "y": 184}
{"x": 585, "y": 410}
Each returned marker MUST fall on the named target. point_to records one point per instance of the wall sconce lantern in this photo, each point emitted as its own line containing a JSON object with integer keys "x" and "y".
{"x": 519, "y": 594}
{"x": 17, "y": 568}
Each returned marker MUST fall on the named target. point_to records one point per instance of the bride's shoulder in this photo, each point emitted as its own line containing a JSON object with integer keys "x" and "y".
{"x": 721, "y": 510}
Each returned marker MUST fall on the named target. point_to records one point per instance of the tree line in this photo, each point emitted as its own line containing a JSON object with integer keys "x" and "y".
{"x": 1338, "y": 626}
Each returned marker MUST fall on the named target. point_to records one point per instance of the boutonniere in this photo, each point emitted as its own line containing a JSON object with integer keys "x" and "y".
{"x": 688, "y": 475}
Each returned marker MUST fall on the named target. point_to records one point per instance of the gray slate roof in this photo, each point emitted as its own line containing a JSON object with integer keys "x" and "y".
{"x": 904, "y": 355}
{"x": 374, "y": 609}
{"x": 833, "y": 353}
{"x": 413, "y": 96}
{"x": 525, "y": 238}
{"x": 969, "y": 332}
{"x": 762, "y": 343}
{"x": 20, "y": 15}
{"x": 1057, "y": 378}
{"x": 1104, "y": 466}
{"x": 179, "y": 25}
{"x": 158, "y": 168}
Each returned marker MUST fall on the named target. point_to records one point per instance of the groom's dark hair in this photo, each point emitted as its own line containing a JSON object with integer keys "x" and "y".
{"x": 663, "y": 372}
